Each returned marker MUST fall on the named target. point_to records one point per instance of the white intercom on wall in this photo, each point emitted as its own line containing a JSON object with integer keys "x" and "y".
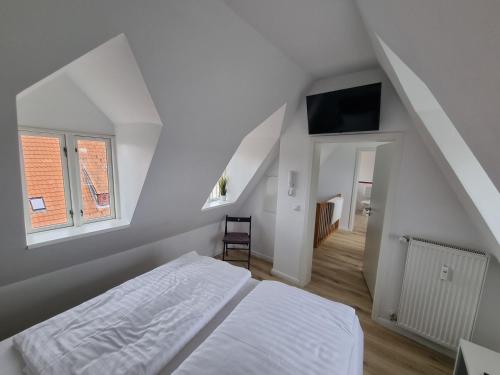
{"x": 292, "y": 180}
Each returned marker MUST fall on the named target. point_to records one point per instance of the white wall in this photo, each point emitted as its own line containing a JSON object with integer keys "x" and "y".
{"x": 336, "y": 175}
{"x": 212, "y": 77}
{"x": 261, "y": 205}
{"x": 33, "y": 300}
{"x": 424, "y": 206}
{"x": 366, "y": 164}
{"x": 297, "y": 153}
{"x": 252, "y": 152}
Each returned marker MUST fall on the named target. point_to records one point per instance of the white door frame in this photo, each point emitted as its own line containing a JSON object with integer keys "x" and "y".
{"x": 307, "y": 248}
{"x": 354, "y": 193}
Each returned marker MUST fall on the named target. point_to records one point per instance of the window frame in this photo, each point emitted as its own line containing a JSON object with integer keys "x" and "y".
{"x": 66, "y": 180}
{"x": 71, "y": 176}
{"x": 77, "y": 181}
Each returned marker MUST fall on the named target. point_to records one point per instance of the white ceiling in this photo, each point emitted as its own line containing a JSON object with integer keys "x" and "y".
{"x": 324, "y": 37}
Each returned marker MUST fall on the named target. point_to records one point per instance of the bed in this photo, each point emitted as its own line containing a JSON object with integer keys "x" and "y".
{"x": 176, "y": 333}
{"x": 11, "y": 362}
{"x": 278, "y": 329}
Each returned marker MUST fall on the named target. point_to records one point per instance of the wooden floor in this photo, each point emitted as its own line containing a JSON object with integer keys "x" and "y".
{"x": 336, "y": 275}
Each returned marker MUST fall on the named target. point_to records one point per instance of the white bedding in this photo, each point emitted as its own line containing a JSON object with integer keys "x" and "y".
{"x": 279, "y": 329}
{"x": 137, "y": 327}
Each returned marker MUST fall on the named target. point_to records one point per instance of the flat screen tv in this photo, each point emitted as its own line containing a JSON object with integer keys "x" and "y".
{"x": 355, "y": 109}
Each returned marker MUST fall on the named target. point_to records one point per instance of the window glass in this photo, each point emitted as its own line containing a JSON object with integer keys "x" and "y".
{"x": 44, "y": 180}
{"x": 94, "y": 164}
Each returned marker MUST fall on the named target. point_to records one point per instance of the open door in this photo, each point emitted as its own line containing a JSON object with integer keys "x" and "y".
{"x": 376, "y": 211}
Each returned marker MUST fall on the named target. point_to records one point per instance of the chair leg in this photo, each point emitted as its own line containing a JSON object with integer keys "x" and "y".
{"x": 223, "y": 249}
{"x": 249, "y": 254}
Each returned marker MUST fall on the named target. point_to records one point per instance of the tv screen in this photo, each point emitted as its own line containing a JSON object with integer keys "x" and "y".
{"x": 355, "y": 109}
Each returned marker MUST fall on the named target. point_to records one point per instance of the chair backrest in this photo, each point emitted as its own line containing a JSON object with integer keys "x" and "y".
{"x": 235, "y": 219}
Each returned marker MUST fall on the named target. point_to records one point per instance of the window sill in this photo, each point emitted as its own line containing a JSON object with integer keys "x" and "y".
{"x": 215, "y": 204}
{"x": 50, "y": 237}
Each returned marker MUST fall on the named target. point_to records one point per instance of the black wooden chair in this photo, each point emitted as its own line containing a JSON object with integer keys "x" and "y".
{"x": 242, "y": 240}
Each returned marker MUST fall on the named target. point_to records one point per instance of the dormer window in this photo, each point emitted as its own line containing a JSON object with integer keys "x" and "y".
{"x": 67, "y": 179}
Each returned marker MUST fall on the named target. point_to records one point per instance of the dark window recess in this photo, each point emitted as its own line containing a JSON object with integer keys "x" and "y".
{"x": 37, "y": 204}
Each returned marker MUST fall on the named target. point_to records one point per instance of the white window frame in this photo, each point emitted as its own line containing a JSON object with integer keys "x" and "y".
{"x": 67, "y": 192}
{"x": 71, "y": 175}
{"x": 75, "y": 176}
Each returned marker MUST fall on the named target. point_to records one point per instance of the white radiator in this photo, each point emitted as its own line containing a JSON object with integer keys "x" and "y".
{"x": 442, "y": 287}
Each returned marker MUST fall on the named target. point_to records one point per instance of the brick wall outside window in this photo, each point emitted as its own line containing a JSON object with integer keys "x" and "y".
{"x": 94, "y": 178}
{"x": 43, "y": 169}
{"x": 44, "y": 178}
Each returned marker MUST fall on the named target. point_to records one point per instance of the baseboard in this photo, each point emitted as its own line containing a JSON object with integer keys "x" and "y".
{"x": 436, "y": 347}
{"x": 284, "y": 276}
{"x": 265, "y": 257}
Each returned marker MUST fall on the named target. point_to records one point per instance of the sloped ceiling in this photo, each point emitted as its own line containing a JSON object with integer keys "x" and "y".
{"x": 109, "y": 75}
{"x": 60, "y": 104}
{"x": 325, "y": 37}
{"x": 453, "y": 46}
{"x": 439, "y": 58}
{"x": 211, "y": 76}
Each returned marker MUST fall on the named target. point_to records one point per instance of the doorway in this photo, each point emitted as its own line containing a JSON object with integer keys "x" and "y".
{"x": 362, "y": 189}
{"x": 343, "y": 205}
{"x": 355, "y": 242}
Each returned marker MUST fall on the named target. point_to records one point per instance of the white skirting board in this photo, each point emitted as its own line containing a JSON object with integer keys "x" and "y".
{"x": 284, "y": 276}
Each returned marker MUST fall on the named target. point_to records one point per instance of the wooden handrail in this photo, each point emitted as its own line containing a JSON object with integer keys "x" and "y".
{"x": 323, "y": 226}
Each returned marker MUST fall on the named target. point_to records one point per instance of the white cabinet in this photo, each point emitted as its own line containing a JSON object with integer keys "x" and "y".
{"x": 473, "y": 359}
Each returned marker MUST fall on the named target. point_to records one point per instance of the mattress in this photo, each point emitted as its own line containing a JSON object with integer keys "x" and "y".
{"x": 278, "y": 329}
{"x": 11, "y": 362}
{"x": 136, "y": 327}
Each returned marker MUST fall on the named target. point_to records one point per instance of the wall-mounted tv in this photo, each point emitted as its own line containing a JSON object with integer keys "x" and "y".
{"x": 355, "y": 109}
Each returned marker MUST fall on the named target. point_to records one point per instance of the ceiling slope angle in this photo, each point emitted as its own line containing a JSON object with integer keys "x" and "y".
{"x": 475, "y": 189}
{"x": 452, "y": 46}
{"x": 324, "y": 37}
{"x": 102, "y": 92}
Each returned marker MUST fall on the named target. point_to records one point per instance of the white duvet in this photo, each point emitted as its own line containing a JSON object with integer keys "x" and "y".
{"x": 136, "y": 327}
{"x": 278, "y": 329}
